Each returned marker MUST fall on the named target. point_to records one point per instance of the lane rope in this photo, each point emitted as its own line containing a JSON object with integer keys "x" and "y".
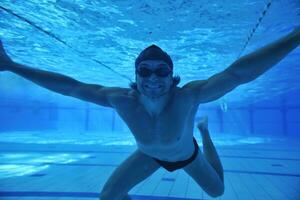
{"x": 249, "y": 37}
{"x": 223, "y": 102}
{"x": 263, "y": 14}
{"x": 55, "y": 37}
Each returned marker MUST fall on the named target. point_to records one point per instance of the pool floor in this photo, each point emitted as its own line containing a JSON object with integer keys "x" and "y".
{"x": 264, "y": 171}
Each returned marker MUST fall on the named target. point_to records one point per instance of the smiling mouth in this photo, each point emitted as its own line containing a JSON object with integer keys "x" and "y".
{"x": 152, "y": 86}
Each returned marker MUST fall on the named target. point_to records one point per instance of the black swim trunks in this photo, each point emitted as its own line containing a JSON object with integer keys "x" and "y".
{"x": 172, "y": 166}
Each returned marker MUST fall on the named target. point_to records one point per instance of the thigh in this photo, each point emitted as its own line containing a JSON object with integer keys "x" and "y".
{"x": 204, "y": 175}
{"x": 136, "y": 168}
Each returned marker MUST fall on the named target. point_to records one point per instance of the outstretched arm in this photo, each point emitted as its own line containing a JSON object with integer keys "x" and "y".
{"x": 245, "y": 69}
{"x": 60, "y": 83}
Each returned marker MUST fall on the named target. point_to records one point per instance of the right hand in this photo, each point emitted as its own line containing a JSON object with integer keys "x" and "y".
{"x": 5, "y": 60}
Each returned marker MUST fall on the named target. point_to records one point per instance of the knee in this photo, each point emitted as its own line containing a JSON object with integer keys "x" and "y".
{"x": 106, "y": 195}
{"x": 102, "y": 197}
{"x": 218, "y": 191}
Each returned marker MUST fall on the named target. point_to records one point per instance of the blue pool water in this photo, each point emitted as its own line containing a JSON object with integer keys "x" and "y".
{"x": 97, "y": 41}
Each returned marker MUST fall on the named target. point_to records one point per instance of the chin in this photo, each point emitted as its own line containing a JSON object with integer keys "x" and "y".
{"x": 155, "y": 95}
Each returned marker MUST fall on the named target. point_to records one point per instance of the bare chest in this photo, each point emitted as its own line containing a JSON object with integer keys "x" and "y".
{"x": 163, "y": 129}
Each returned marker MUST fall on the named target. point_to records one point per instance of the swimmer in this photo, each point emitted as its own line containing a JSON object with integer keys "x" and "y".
{"x": 160, "y": 114}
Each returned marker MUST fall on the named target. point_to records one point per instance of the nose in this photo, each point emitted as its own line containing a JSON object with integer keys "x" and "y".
{"x": 153, "y": 77}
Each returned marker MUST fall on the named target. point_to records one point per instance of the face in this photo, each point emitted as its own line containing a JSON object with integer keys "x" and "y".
{"x": 153, "y": 84}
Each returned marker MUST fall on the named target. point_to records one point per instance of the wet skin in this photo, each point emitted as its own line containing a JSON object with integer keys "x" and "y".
{"x": 161, "y": 117}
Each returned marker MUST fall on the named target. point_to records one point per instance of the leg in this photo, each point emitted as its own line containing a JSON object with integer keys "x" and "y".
{"x": 209, "y": 150}
{"x": 204, "y": 172}
{"x": 205, "y": 176}
{"x": 136, "y": 168}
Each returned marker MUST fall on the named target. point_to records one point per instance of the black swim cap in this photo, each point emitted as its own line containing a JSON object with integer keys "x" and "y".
{"x": 154, "y": 52}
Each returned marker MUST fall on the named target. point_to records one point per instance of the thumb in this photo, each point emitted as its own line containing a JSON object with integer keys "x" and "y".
{"x": 3, "y": 54}
{"x": 1, "y": 46}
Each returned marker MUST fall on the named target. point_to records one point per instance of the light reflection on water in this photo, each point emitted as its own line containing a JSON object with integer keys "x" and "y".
{"x": 112, "y": 139}
{"x": 26, "y": 164}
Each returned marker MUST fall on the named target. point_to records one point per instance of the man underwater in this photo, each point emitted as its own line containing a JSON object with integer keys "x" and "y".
{"x": 160, "y": 114}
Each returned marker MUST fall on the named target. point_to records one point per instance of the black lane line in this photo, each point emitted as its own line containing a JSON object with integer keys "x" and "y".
{"x": 79, "y": 195}
{"x": 262, "y": 173}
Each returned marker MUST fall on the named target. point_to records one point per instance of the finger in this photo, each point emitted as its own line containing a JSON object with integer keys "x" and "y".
{"x": 1, "y": 47}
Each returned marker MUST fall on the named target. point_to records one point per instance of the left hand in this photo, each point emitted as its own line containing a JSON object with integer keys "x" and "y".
{"x": 5, "y": 60}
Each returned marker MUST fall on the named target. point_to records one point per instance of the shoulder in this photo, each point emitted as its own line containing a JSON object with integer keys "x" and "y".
{"x": 192, "y": 89}
{"x": 193, "y": 86}
{"x": 117, "y": 91}
{"x": 122, "y": 96}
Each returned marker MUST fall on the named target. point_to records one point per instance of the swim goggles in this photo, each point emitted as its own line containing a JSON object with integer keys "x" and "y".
{"x": 146, "y": 72}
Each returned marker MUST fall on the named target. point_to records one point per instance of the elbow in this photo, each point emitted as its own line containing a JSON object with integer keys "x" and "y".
{"x": 247, "y": 79}
{"x": 242, "y": 78}
{"x": 66, "y": 91}
{"x": 73, "y": 90}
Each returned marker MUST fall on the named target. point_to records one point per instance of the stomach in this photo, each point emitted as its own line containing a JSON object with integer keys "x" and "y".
{"x": 172, "y": 152}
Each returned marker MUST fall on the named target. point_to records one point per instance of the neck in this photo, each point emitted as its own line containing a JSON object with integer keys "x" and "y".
{"x": 155, "y": 100}
{"x": 154, "y": 106}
